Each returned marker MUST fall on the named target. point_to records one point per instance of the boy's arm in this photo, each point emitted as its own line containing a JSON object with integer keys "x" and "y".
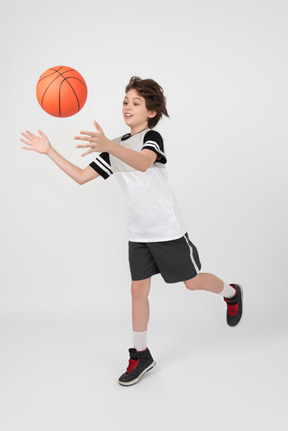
{"x": 139, "y": 161}
{"x": 42, "y": 145}
{"x": 81, "y": 176}
{"x": 99, "y": 143}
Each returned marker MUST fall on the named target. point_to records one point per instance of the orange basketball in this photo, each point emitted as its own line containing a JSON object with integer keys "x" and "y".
{"x": 61, "y": 91}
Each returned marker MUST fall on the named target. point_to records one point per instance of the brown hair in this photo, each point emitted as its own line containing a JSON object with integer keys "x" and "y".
{"x": 153, "y": 95}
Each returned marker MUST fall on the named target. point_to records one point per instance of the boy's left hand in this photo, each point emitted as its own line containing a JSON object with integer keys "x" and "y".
{"x": 97, "y": 141}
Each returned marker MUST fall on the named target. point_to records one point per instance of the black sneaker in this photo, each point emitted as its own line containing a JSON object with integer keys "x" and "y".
{"x": 234, "y": 306}
{"x": 139, "y": 364}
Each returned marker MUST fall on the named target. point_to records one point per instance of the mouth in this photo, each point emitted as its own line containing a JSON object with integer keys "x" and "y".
{"x": 128, "y": 115}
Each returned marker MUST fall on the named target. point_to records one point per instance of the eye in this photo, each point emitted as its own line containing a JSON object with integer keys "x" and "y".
{"x": 125, "y": 103}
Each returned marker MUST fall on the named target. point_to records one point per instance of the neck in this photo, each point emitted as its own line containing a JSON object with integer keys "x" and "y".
{"x": 138, "y": 129}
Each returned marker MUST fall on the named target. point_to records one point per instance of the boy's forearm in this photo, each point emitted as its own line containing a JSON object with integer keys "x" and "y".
{"x": 135, "y": 159}
{"x": 72, "y": 170}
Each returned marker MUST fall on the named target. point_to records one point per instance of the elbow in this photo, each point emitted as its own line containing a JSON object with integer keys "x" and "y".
{"x": 145, "y": 167}
{"x": 81, "y": 181}
{"x": 82, "y": 178}
{"x": 146, "y": 163}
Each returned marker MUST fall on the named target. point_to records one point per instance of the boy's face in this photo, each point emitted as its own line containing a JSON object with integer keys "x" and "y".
{"x": 135, "y": 113}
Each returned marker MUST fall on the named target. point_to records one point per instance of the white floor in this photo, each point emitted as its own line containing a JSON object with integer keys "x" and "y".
{"x": 60, "y": 373}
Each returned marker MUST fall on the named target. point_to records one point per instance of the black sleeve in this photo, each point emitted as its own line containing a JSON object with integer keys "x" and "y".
{"x": 153, "y": 141}
{"x": 102, "y": 165}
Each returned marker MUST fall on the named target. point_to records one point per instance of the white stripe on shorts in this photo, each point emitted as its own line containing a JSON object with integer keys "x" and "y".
{"x": 191, "y": 255}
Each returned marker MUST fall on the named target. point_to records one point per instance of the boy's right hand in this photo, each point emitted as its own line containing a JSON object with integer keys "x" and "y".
{"x": 35, "y": 143}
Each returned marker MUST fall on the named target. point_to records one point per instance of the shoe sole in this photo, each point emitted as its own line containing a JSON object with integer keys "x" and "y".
{"x": 241, "y": 288}
{"x": 139, "y": 377}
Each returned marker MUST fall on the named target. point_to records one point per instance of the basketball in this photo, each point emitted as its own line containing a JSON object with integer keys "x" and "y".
{"x": 61, "y": 91}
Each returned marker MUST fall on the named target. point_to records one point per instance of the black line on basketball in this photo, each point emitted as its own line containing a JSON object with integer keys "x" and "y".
{"x": 72, "y": 70}
{"x": 47, "y": 76}
{"x": 77, "y": 79}
{"x": 42, "y": 100}
{"x": 60, "y": 100}
{"x": 66, "y": 79}
{"x": 61, "y": 73}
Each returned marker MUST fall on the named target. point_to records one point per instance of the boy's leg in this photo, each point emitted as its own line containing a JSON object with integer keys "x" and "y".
{"x": 141, "y": 359}
{"x": 140, "y": 312}
{"x": 232, "y": 294}
{"x": 205, "y": 281}
{"x": 140, "y": 304}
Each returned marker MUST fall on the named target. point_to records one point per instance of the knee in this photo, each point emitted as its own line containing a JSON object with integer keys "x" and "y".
{"x": 139, "y": 289}
{"x": 192, "y": 284}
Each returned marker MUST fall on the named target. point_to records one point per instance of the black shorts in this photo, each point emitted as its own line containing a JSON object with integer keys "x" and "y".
{"x": 175, "y": 260}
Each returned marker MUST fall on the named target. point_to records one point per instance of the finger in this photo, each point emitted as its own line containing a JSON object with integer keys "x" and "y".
{"x": 30, "y": 134}
{"x": 26, "y": 136}
{"x": 88, "y": 133}
{"x": 83, "y": 138}
{"x": 26, "y": 148}
{"x": 83, "y": 146}
{"x": 42, "y": 134}
{"x": 87, "y": 152}
{"x": 97, "y": 126}
{"x": 25, "y": 142}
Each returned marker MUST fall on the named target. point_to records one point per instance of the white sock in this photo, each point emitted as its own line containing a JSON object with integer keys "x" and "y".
{"x": 140, "y": 340}
{"x": 228, "y": 291}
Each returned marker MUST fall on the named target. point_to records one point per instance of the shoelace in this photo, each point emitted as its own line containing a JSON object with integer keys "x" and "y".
{"x": 132, "y": 365}
{"x": 232, "y": 309}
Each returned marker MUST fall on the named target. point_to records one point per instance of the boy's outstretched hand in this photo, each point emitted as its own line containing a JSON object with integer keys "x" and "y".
{"x": 97, "y": 141}
{"x": 35, "y": 143}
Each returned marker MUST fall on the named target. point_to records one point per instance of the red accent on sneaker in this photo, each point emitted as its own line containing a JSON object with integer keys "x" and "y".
{"x": 132, "y": 365}
{"x": 232, "y": 309}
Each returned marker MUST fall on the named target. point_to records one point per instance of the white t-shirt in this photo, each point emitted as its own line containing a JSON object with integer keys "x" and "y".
{"x": 153, "y": 214}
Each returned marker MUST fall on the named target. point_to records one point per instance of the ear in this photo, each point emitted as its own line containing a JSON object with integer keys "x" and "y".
{"x": 152, "y": 114}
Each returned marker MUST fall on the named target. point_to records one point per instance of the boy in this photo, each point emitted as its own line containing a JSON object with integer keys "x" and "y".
{"x": 158, "y": 241}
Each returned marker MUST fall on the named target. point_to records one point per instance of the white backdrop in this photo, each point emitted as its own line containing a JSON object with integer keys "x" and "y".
{"x": 223, "y": 66}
